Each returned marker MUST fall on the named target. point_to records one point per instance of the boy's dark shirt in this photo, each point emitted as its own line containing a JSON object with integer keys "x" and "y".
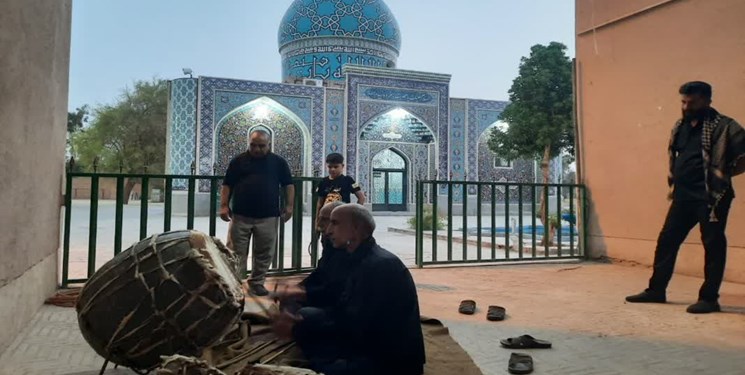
{"x": 340, "y": 188}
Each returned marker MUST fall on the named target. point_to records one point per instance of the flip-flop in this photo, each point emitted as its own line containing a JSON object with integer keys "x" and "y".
{"x": 525, "y": 342}
{"x": 495, "y": 313}
{"x": 467, "y": 307}
{"x": 520, "y": 363}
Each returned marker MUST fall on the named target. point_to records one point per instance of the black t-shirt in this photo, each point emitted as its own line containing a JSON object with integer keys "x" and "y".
{"x": 338, "y": 189}
{"x": 688, "y": 170}
{"x": 255, "y": 184}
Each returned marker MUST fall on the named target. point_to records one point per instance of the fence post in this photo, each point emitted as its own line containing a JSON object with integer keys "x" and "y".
{"x": 419, "y": 227}
{"x": 167, "y": 204}
{"x": 435, "y": 221}
{"x": 119, "y": 215}
{"x": 68, "y": 217}
{"x": 93, "y": 226}
{"x": 213, "y": 206}
{"x": 313, "y": 214}
{"x": 144, "y": 197}
{"x": 297, "y": 227}
{"x": 585, "y": 252}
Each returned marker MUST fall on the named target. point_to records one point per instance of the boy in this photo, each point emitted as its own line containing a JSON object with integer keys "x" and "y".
{"x": 336, "y": 186}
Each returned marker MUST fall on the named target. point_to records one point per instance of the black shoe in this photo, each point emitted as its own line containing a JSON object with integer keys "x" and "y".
{"x": 647, "y": 297}
{"x": 258, "y": 290}
{"x": 704, "y": 307}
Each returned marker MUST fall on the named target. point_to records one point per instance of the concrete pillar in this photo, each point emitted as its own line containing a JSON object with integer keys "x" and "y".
{"x": 34, "y": 66}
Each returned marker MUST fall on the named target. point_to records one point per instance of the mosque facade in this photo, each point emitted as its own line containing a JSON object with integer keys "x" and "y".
{"x": 341, "y": 91}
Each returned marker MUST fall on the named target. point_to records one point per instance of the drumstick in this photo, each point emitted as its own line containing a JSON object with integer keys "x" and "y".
{"x": 275, "y": 355}
{"x": 261, "y": 306}
{"x": 245, "y": 354}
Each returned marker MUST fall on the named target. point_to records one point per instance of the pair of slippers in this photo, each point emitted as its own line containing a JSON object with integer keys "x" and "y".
{"x": 521, "y": 363}
{"x": 494, "y": 313}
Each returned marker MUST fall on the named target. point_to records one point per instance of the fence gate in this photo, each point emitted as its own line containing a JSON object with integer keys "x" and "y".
{"x": 466, "y": 222}
{"x": 96, "y": 229}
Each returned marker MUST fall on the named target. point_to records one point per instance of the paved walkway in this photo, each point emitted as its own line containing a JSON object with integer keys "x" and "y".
{"x": 579, "y": 307}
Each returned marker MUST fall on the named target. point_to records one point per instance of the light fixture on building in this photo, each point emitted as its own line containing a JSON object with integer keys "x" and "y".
{"x": 261, "y": 112}
{"x": 187, "y": 71}
{"x": 398, "y": 114}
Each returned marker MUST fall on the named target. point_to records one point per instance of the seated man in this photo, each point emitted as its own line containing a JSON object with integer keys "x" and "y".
{"x": 374, "y": 328}
{"x": 323, "y": 287}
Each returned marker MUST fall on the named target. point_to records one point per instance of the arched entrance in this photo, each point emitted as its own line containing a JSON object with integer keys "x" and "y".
{"x": 394, "y": 151}
{"x": 389, "y": 181}
{"x": 290, "y": 137}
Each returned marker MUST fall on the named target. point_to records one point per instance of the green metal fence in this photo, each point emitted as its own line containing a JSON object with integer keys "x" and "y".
{"x": 301, "y": 236}
{"x": 504, "y": 225}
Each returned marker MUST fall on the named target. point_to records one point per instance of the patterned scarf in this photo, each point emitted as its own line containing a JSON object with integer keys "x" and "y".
{"x": 717, "y": 181}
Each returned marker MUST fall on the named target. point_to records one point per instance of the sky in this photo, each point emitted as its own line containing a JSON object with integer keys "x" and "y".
{"x": 478, "y": 42}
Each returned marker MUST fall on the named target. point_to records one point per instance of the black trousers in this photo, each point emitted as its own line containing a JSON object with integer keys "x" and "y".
{"x": 317, "y": 337}
{"x": 681, "y": 218}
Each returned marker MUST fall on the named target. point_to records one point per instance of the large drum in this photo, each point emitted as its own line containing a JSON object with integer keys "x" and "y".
{"x": 173, "y": 293}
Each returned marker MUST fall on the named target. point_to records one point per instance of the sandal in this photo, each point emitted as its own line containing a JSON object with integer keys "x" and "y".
{"x": 525, "y": 342}
{"x": 520, "y": 363}
{"x": 467, "y": 307}
{"x": 495, "y": 313}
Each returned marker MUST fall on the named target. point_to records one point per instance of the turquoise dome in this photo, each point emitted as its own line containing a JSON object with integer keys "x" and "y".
{"x": 364, "y": 19}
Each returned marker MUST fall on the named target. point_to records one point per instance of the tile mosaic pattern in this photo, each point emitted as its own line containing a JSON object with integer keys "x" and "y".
{"x": 481, "y": 115}
{"x": 334, "y": 138}
{"x": 457, "y": 152}
{"x": 227, "y": 101}
{"x": 521, "y": 172}
{"x": 360, "y": 111}
{"x": 318, "y": 37}
{"x": 416, "y": 154}
{"x": 370, "y": 111}
{"x": 396, "y": 95}
{"x": 387, "y": 127}
{"x": 368, "y": 19}
{"x": 217, "y": 90}
{"x": 182, "y": 128}
{"x": 287, "y": 138}
{"x": 326, "y": 66}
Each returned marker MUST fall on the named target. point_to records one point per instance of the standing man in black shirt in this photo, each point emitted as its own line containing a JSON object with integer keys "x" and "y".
{"x": 706, "y": 150}
{"x": 250, "y": 199}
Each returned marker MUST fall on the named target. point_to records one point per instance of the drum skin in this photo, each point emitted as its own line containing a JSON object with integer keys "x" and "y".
{"x": 172, "y": 293}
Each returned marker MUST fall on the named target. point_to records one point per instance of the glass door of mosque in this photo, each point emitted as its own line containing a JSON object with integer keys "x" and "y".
{"x": 389, "y": 182}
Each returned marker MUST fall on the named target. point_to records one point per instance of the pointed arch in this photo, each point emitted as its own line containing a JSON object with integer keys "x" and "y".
{"x": 391, "y": 180}
{"x": 290, "y": 136}
{"x": 397, "y": 152}
{"x": 414, "y": 129}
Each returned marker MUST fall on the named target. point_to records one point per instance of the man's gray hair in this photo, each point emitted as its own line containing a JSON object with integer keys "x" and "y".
{"x": 261, "y": 131}
{"x": 331, "y": 206}
{"x": 360, "y": 215}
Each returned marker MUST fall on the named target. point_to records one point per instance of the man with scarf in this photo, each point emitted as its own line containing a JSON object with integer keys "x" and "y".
{"x": 374, "y": 328}
{"x": 706, "y": 150}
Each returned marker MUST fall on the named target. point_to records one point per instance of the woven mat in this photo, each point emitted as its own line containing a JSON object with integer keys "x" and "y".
{"x": 444, "y": 355}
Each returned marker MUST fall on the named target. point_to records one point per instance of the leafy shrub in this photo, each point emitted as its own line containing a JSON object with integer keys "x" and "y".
{"x": 427, "y": 225}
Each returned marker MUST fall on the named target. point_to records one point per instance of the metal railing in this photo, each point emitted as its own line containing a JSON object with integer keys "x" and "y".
{"x": 299, "y": 261}
{"x": 506, "y": 218}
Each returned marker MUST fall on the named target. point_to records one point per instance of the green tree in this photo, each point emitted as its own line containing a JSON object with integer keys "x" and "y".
{"x": 128, "y": 136}
{"x": 75, "y": 122}
{"x": 539, "y": 115}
